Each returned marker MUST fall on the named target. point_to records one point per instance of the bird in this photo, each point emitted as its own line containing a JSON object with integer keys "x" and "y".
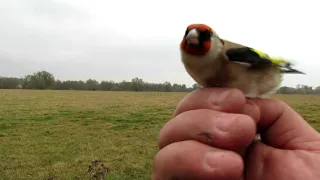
{"x": 216, "y": 62}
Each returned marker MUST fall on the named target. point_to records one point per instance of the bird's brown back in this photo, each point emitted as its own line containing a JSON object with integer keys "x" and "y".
{"x": 235, "y": 75}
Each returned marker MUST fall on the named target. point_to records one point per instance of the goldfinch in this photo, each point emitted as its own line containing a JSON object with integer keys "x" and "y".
{"x": 215, "y": 62}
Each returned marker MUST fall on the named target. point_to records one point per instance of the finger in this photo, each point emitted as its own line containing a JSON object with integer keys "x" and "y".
{"x": 227, "y": 100}
{"x": 266, "y": 162}
{"x": 252, "y": 110}
{"x": 220, "y": 99}
{"x": 263, "y": 161}
{"x": 194, "y": 160}
{"x": 218, "y": 129}
{"x": 282, "y": 127}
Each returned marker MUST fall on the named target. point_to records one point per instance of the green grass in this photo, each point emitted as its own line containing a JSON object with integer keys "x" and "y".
{"x": 56, "y": 134}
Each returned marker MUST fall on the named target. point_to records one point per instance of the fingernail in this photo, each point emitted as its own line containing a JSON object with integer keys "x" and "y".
{"x": 212, "y": 160}
{"x": 223, "y": 122}
{"x": 218, "y": 98}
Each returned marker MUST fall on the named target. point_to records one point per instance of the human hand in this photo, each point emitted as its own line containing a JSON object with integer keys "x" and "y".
{"x": 212, "y": 127}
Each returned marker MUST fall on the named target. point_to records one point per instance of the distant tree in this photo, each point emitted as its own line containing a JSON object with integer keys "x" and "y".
{"x": 167, "y": 86}
{"x": 124, "y": 86}
{"x": 286, "y": 90}
{"x": 137, "y": 84}
{"x": 10, "y": 83}
{"x": 304, "y": 89}
{"x": 58, "y": 85}
{"x": 92, "y": 85}
{"x": 196, "y": 86}
{"x": 308, "y": 89}
{"x": 176, "y": 87}
{"x": 107, "y": 85}
{"x": 39, "y": 80}
{"x": 317, "y": 90}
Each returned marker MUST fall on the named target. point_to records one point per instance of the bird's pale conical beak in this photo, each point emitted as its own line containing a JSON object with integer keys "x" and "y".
{"x": 192, "y": 37}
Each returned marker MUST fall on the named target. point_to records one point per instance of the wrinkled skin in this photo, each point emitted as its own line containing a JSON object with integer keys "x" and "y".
{"x": 210, "y": 137}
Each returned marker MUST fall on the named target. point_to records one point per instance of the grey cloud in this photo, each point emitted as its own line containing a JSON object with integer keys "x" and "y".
{"x": 55, "y": 36}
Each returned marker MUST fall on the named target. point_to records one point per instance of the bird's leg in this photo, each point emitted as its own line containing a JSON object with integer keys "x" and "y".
{"x": 257, "y": 137}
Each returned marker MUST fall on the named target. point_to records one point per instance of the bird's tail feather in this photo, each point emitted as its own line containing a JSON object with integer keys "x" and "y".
{"x": 292, "y": 71}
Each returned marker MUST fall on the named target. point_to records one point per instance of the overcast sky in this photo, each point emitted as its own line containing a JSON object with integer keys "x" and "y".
{"x": 122, "y": 39}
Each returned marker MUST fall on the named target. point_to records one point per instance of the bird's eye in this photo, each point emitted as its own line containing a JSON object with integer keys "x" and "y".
{"x": 206, "y": 35}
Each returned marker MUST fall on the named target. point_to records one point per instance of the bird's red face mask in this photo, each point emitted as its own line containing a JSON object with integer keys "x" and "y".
{"x": 197, "y": 39}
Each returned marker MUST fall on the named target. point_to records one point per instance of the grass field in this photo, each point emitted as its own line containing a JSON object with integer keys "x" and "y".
{"x": 56, "y": 134}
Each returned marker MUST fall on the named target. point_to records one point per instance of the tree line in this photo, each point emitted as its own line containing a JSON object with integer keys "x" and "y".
{"x": 44, "y": 80}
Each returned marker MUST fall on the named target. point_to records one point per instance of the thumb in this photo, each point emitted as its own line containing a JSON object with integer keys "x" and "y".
{"x": 282, "y": 127}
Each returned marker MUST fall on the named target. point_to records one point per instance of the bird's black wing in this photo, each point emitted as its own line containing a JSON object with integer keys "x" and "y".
{"x": 257, "y": 59}
{"x": 248, "y": 56}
